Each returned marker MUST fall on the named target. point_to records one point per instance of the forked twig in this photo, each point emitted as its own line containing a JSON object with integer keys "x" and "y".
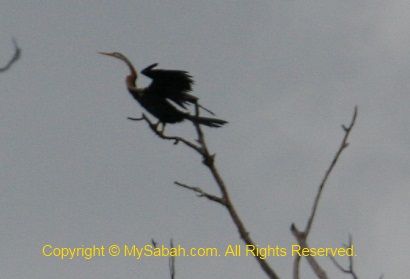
{"x": 159, "y": 133}
{"x": 301, "y": 236}
{"x": 343, "y": 145}
{"x": 209, "y": 161}
{"x": 350, "y": 270}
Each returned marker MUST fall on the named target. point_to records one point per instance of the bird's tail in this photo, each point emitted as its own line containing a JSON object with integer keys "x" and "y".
{"x": 210, "y": 122}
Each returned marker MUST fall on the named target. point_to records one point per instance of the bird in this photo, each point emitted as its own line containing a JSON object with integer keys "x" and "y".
{"x": 168, "y": 89}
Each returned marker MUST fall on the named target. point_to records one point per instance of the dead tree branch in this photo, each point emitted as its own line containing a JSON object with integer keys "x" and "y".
{"x": 16, "y": 56}
{"x": 349, "y": 270}
{"x": 208, "y": 160}
{"x": 301, "y": 236}
{"x": 201, "y": 193}
{"x": 154, "y": 128}
{"x": 171, "y": 263}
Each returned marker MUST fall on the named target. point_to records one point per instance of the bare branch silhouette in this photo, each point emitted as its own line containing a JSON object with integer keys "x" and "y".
{"x": 201, "y": 193}
{"x": 16, "y": 56}
{"x": 171, "y": 259}
{"x": 208, "y": 160}
{"x": 154, "y": 128}
{"x": 349, "y": 270}
{"x": 171, "y": 263}
{"x": 301, "y": 236}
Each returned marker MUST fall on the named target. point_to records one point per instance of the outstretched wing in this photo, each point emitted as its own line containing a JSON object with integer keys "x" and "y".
{"x": 170, "y": 84}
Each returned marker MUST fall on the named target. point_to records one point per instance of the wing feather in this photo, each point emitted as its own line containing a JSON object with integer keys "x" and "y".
{"x": 170, "y": 84}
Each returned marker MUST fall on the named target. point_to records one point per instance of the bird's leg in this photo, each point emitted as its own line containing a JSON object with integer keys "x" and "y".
{"x": 163, "y": 128}
{"x": 156, "y": 127}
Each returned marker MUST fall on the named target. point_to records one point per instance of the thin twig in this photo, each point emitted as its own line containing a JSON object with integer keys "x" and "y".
{"x": 171, "y": 263}
{"x": 343, "y": 145}
{"x": 161, "y": 134}
{"x": 301, "y": 236}
{"x": 349, "y": 270}
{"x": 201, "y": 193}
{"x": 16, "y": 56}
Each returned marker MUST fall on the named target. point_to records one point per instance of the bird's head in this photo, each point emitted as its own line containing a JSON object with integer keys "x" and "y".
{"x": 131, "y": 78}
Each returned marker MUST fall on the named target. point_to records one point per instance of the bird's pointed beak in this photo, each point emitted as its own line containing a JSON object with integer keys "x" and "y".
{"x": 105, "y": 53}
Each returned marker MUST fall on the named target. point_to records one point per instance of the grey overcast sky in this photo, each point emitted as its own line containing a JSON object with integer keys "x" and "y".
{"x": 285, "y": 74}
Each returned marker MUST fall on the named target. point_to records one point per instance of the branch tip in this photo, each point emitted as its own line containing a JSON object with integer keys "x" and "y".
{"x": 301, "y": 236}
{"x": 16, "y": 56}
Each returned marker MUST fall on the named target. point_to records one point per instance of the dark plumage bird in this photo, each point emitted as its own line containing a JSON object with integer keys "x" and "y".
{"x": 168, "y": 87}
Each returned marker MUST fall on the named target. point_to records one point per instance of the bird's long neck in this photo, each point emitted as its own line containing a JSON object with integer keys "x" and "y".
{"x": 130, "y": 81}
{"x": 132, "y": 77}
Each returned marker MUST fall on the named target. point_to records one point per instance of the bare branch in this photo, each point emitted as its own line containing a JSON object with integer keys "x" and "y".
{"x": 160, "y": 134}
{"x": 171, "y": 264}
{"x": 296, "y": 268}
{"x": 209, "y": 161}
{"x": 136, "y": 119}
{"x": 201, "y": 193}
{"x": 338, "y": 265}
{"x": 343, "y": 145}
{"x": 16, "y": 56}
{"x": 301, "y": 236}
{"x": 350, "y": 270}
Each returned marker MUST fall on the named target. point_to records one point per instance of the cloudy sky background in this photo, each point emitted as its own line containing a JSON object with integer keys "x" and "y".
{"x": 284, "y": 74}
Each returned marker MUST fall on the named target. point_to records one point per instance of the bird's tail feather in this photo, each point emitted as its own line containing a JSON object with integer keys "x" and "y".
{"x": 207, "y": 121}
{"x": 204, "y": 108}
